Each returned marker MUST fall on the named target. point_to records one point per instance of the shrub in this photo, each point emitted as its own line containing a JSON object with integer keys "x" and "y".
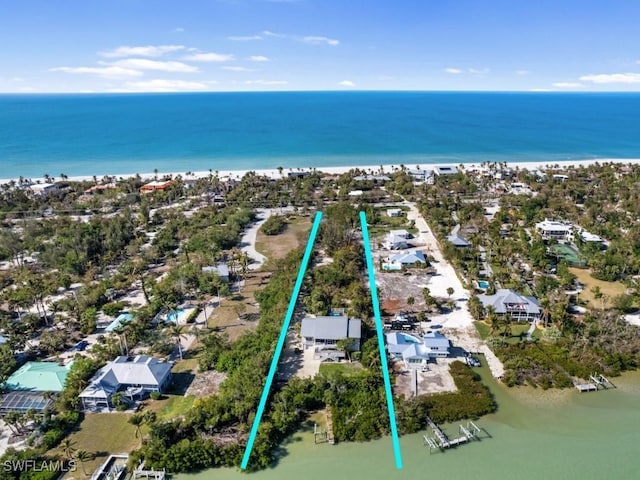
{"x": 274, "y": 225}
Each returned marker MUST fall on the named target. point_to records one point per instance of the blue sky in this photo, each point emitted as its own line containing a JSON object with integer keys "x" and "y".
{"x": 241, "y": 45}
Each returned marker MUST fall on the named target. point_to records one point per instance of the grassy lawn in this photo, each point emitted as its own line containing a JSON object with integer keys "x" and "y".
{"x": 102, "y": 434}
{"x": 345, "y": 368}
{"x": 609, "y": 289}
{"x": 517, "y": 329}
{"x": 170, "y": 406}
{"x": 483, "y": 329}
{"x": 278, "y": 246}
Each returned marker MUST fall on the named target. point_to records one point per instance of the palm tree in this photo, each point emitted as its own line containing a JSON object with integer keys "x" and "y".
{"x": 137, "y": 419}
{"x": 68, "y": 446}
{"x": 176, "y": 332}
{"x": 493, "y": 320}
{"x": 83, "y": 456}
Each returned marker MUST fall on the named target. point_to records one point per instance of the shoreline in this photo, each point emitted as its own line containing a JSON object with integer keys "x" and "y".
{"x": 337, "y": 170}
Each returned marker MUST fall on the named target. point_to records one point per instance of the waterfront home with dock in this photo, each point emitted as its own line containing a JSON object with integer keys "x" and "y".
{"x": 417, "y": 352}
{"x": 135, "y": 377}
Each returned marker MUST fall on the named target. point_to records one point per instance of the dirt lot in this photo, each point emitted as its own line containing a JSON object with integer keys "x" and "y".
{"x": 395, "y": 288}
{"x": 278, "y": 246}
{"x": 435, "y": 379}
{"x": 240, "y": 312}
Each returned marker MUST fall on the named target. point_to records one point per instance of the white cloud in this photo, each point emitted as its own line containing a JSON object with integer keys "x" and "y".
{"x": 146, "y": 64}
{"x": 259, "y": 58}
{"x": 539, "y": 90}
{"x": 454, "y": 71}
{"x": 244, "y": 38}
{"x": 145, "y": 51}
{"x": 479, "y": 71}
{"x": 567, "y": 85}
{"x": 347, "y": 83}
{"x": 160, "y": 85}
{"x": 265, "y": 82}
{"x": 209, "y": 57}
{"x": 314, "y": 40}
{"x": 612, "y": 78}
{"x": 178, "y": 30}
{"x": 237, "y": 69}
{"x": 522, "y": 72}
{"x": 109, "y": 71}
{"x": 273, "y": 34}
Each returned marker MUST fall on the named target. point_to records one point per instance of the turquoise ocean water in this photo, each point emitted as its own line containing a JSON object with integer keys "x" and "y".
{"x": 120, "y": 134}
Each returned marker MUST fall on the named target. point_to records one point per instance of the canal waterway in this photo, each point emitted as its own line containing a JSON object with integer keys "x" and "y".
{"x": 534, "y": 434}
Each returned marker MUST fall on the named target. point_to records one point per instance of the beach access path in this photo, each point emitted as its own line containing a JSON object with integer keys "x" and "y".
{"x": 250, "y": 235}
{"x": 457, "y": 324}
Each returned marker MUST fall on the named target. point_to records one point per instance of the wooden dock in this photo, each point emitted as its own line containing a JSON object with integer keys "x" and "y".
{"x": 597, "y": 382}
{"x": 440, "y": 440}
{"x": 321, "y": 435}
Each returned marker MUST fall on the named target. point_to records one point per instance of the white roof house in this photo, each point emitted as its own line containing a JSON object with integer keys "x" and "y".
{"x": 394, "y": 212}
{"x": 133, "y": 376}
{"x": 44, "y": 188}
{"x": 401, "y": 233}
{"x": 415, "y": 351}
{"x": 555, "y": 229}
{"x": 395, "y": 242}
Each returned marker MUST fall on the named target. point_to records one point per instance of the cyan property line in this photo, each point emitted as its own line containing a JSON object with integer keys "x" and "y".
{"x": 383, "y": 355}
{"x": 281, "y": 340}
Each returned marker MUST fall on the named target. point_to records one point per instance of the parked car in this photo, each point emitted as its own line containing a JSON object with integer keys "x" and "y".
{"x": 81, "y": 345}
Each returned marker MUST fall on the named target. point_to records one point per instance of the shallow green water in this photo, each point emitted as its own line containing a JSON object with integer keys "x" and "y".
{"x": 534, "y": 434}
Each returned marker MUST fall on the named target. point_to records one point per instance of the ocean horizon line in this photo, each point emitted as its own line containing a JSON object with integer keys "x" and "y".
{"x": 350, "y": 91}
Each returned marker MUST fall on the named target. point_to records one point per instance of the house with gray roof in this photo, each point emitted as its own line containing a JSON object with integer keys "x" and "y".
{"x": 458, "y": 241}
{"x": 408, "y": 259}
{"x": 416, "y": 352}
{"x": 328, "y": 331}
{"x": 519, "y": 307}
{"x": 133, "y": 376}
{"x": 221, "y": 270}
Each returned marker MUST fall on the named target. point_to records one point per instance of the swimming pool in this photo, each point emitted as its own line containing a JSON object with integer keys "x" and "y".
{"x": 409, "y": 338}
{"x": 179, "y": 316}
{"x": 123, "y": 318}
{"x": 483, "y": 284}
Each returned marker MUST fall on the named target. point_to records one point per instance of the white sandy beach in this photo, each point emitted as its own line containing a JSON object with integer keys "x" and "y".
{"x": 274, "y": 173}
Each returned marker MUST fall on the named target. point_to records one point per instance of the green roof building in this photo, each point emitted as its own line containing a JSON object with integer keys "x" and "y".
{"x": 39, "y": 377}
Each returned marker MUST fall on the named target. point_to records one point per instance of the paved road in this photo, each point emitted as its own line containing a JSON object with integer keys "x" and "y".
{"x": 249, "y": 237}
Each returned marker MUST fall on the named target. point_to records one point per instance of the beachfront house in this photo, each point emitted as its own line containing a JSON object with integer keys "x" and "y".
{"x": 156, "y": 185}
{"x": 323, "y": 333}
{"x": 408, "y": 259}
{"x": 421, "y": 175}
{"x": 372, "y": 178}
{"x": 30, "y": 387}
{"x": 416, "y": 352}
{"x": 44, "y": 189}
{"x": 135, "y": 377}
{"x": 508, "y": 302}
{"x": 445, "y": 170}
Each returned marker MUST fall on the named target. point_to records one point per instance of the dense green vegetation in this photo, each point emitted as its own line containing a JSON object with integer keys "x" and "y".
{"x": 274, "y": 225}
{"x": 472, "y": 400}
